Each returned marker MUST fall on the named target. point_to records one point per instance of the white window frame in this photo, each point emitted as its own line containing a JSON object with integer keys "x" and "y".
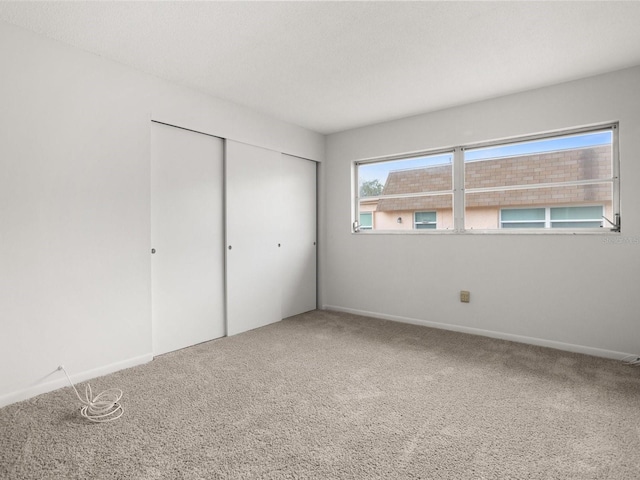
{"x": 458, "y": 191}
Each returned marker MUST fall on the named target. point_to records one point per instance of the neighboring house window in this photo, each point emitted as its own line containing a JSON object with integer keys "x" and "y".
{"x": 366, "y": 221}
{"x": 424, "y": 220}
{"x": 567, "y": 180}
{"x": 576, "y": 217}
{"x": 552, "y": 217}
{"x": 522, "y": 218}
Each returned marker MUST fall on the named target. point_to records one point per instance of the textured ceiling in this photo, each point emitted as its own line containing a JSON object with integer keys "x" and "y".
{"x": 331, "y": 66}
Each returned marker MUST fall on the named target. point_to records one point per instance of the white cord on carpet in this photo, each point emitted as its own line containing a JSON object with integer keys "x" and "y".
{"x": 633, "y": 360}
{"x": 104, "y": 407}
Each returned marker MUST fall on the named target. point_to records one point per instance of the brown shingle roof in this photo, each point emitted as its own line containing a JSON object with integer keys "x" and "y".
{"x": 559, "y": 166}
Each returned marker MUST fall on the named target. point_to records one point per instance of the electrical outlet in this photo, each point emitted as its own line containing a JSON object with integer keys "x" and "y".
{"x": 465, "y": 296}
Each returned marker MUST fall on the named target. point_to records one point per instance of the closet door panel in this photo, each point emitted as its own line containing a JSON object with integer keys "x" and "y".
{"x": 187, "y": 234}
{"x": 298, "y": 232}
{"x": 252, "y": 230}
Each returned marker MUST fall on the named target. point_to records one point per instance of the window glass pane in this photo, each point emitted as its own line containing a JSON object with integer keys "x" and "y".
{"x": 394, "y": 192}
{"x": 427, "y": 173}
{"x": 391, "y": 214}
{"x": 542, "y": 145}
{"x": 559, "y": 159}
{"x": 523, "y": 214}
{"x": 425, "y": 217}
{"x": 426, "y": 226}
{"x": 576, "y": 213}
{"x": 366, "y": 221}
{"x": 413, "y": 204}
{"x": 482, "y": 209}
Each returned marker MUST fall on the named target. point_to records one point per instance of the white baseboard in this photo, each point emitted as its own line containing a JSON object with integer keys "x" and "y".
{"x": 50, "y": 385}
{"x": 568, "y": 347}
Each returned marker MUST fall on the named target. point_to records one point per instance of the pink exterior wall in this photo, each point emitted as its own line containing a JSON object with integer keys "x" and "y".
{"x": 475, "y": 218}
{"x": 389, "y": 220}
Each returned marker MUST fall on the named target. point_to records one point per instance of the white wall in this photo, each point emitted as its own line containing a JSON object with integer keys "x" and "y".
{"x": 75, "y": 204}
{"x": 575, "y": 292}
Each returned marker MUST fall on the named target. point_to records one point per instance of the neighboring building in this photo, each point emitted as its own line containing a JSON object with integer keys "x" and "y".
{"x": 557, "y": 206}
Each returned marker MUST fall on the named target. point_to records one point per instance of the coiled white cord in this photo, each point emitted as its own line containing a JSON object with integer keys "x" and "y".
{"x": 104, "y": 407}
{"x": 633, "y": 360}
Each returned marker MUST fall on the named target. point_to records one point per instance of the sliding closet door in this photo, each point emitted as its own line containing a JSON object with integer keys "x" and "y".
{"x": 298, "y": 233}
{"x": 253, "y": 240}
{"x": 187, "y": 234}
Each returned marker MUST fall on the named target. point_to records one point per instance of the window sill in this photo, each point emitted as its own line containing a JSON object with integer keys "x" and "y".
{"x": 534, "y": 231}
{"x": 602, "y": 231}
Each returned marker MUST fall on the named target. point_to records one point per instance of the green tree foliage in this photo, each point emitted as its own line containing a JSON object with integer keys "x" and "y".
{"x": 371, "y": 188}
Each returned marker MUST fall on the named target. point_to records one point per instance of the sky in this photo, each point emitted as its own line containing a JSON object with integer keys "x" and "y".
{"x": 380, "y": 170}
{"x": 539, "y": 146}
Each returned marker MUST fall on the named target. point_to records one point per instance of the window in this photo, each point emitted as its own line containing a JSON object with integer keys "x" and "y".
{"x": 548, "y": 182}
{"x": 576, "y": 217}
{"x": 567, "y": 181}
{"x": 366, "y": 221}
{"x": 522, "y": 218}
{"x": 424, "y": 220}
{"x": 552, "y": 217}
{"x": 405, "y": 194}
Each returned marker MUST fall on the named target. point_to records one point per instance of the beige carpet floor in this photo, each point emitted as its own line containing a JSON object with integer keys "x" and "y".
{"x": 328, "y": 395}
